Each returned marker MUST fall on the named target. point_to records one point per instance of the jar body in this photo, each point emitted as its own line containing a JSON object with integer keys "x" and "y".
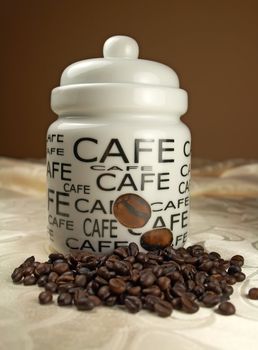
{"x": 115, "y": 180}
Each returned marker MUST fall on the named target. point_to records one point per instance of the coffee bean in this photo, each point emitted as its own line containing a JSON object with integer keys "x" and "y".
{"x": 103, "y": 292}
{"x": 233, "y": 269}
{"x": 122, "y": 252}
{"x": 153, "y": 290}
{"x": 163, "y": 308}
{"x": 231, "y": 280}
{"x": 188, "y": 304}
{"x": 64, "y": 299}
{"x": 117, "y": 285}
{"x": 210, "y": 299}
{"x": 42, "y": 280}
{"x": 226, "y": 308}
{"x": 80, "y": 280}
{"x": 147, "y": 279}
{"x": 237, "y": 260}
{"x": 45, "y": 297}
{"x": 96, "y": 301}
{"x": 52, "y": 277}
{"x": 60, "y": 268}
{"x": 133, "y": 249}
{"x": 29, "y": 280}
{"x": 239, "y": 276}
{"x": 85, "y": 303}
{"x": 253, "y": 293}
{"x": 156, "y": 239}
{"x": 42, "y": 269}
{"x": 56, "y": 256}
{"x": 17, "y": 275}
{"x": 133, "y": 304}
{"x": 29, "y": 270}
{"x": 131, "y": 210}
{"x": 51, "y": 286}
{"x": 164, "y": 282}
{"x": 121, "y": 267}
{"x": 111, "y": 300}
{"x": 158, "y": 280}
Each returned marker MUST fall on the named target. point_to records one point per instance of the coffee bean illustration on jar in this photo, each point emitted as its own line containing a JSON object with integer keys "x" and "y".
{"x": 158, "y": 238}
{"x": 131, "y": 210}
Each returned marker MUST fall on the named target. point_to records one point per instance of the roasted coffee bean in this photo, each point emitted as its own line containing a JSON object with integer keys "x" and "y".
{"x": 214, "y": 287}
{"x": 237, "y": 260}
{"x": 121, "y": 267}
{"x": 142, "y": 258}
{"x": 158, "y": 280}
{"x": 29, "y": 261}
{"x": 29, "y": 280}
{"x": 133, "y": 304}
{"x": 52, "y": 277}
{"x": 42, "y": 280}
{"x": 63, "y": 288}
{"x": 230, "y": 279}
{"x": 80, "y": 280}
{"x": 45, "y": 297}
{"x": 253, "y": 293}
{"x": 214, "y": 256}
{"x": 111, "y": 300}
{"x": 134, "y": 291}
{"x": 85, "y": 303}
{"x": 51, "y": 286}
{"x": 163, "y": 308}
{"x": 66, "y": 277}
{"x": 122, "y": 252}
{"x": 101, "y": 281}
{"x": 64, "y": 299}
{"x": 178, "y": 289}
{"x": 17, "y": 275}
{"x": 147, "y": 279}
{"x": 42, "y": 269}
{"x": 164, "y": 282}
{"x": 131, "y": 210}
{"x": 153, "y": 290}
{"x": 206, "y": 266}
{"x": 96, "y": 301}
{"x": 133, "y": 249}
{"x": 117, "y": 285}
{"x": 60, "y": 268}
{"x": 104, "y": 273}
{"x": 103, "y": 292}
{"x": 55, "y": 256}
{"x": 234, "y": 269}
{"x": 29, "y": 270}
{"x": 210, "y": 299}
{"x": 200, "y": 277}
{"x": 149, "y": 301}
{"x": 188, "y": 304}
{"x": 176, "y": 303}
{"x": 239, "y": 276}
{"x": 227, "y": 290}
{"x": 226, "y": 308}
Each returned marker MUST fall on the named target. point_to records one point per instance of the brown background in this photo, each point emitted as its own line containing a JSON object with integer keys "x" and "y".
{"x": 212, "y": 45}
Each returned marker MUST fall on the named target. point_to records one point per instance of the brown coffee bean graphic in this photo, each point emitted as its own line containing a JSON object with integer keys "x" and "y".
{"x": 158, "y": 238}
{"x": 132, "y": 210}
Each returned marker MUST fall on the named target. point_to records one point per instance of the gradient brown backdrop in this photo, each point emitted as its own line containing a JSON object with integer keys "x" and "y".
{"x": 212, "y": 45}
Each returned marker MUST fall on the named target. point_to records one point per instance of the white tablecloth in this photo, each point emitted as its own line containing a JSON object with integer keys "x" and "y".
{"x": 224, "y": 217}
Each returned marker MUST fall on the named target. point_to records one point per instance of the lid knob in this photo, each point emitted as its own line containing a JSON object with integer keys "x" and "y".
{"x": 120, "y": 46}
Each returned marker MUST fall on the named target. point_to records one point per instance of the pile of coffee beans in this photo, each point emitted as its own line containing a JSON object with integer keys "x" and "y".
{"x": 159, "y": 281}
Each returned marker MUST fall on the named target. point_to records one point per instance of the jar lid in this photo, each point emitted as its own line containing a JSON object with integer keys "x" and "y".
{"x": 119, "y": 81}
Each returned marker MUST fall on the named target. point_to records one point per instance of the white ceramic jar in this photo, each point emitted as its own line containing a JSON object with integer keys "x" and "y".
{"x": 118, "y": 157}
